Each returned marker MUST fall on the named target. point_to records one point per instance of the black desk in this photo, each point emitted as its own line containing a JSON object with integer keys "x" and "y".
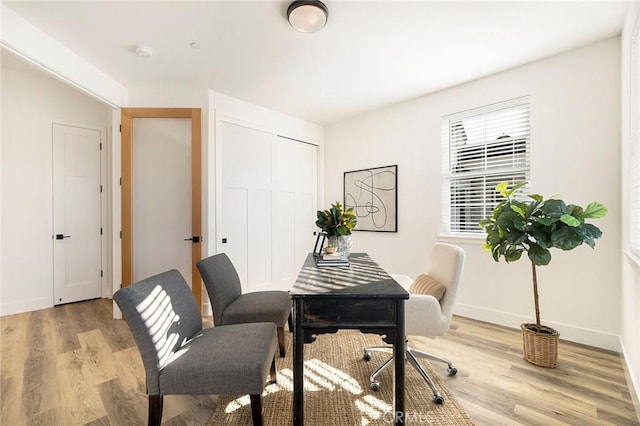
{"x": 362, "y": 297}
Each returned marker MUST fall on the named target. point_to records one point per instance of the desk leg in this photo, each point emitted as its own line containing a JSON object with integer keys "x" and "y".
{"x": 399, "y": 348}
{"x": 298, "y": 364}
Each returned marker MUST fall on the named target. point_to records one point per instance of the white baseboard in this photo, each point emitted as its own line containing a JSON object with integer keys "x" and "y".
{"x": 568, "y": 332}
{"x": 633, "y": 381}
{"x": 25, "y": 306}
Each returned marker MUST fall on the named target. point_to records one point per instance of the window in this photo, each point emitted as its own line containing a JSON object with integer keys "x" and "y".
{"x": 634, "y": 144}
{"x": 481, "y": 148}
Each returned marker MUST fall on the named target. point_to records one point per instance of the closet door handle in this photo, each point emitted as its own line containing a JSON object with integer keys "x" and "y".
{"x": 60, "y": 236}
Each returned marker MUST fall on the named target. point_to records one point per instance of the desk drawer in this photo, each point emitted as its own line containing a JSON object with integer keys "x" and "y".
{"x": 341, "y": 311}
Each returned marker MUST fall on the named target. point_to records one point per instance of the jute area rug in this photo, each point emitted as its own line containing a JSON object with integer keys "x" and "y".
{"x": 337, "y": 391}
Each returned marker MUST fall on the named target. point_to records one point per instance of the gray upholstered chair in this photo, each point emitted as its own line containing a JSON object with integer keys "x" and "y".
{"x": 230, "y": 306}
{"x": 429, "y": 309}
{"x": 182, "y": 358}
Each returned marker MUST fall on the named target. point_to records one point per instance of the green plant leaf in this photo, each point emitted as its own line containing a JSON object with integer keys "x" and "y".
{"x": 536, "y": 197}
{"x": 570, "y": 220}
{"x": 515, "y": 187}
{"x": 589, "y": 234}
{"x": 542, "y": 220}
{"x": 591, "y": 230}
{"x": 503, "y": 189}
{"x": 518, "y": 209}
{"x": 512, "y": 254}
{"x": 595, "y": 210}
{"x": 566, "y": 238}
{"x": 539, "y": 255}
{"x": 554, "y": 208}
{"x": 542, "y": 236}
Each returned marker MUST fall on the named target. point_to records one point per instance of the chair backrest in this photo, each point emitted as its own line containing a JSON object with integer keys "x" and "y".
{"x": 162, "y": 314}
{"x": 445, "y": 266}
{"x": 222, "y": 282}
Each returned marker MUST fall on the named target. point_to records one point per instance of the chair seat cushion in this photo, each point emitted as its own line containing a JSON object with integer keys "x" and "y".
{"x": 424, "y": 284}
{"x": 233, "y": 359}
{"x": 262, "y": 306}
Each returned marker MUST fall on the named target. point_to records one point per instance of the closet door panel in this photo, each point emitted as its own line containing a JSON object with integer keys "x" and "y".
{"x": 267, "y": 208}
{"x": 259, "y": 240}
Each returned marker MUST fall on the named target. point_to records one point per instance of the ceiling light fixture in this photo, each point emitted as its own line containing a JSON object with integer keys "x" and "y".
{"x": 307, "y": 16}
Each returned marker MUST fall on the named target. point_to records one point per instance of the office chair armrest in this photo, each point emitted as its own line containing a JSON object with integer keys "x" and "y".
{"x": 403, "y": 280}
{"x": 423, "y": 316}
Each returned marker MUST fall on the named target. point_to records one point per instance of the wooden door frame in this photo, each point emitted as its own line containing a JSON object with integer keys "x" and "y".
{"x": 128, "y": 114}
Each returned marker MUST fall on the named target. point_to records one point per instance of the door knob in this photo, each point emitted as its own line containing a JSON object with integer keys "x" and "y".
{"x": 194, "y": 239}
{"x": 60, "y": 236}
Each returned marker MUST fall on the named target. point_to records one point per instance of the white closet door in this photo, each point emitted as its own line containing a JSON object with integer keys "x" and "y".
{"x": 266, "y": 207}
{"x": 245, "y": 203}
{"x": 296, "y": 183}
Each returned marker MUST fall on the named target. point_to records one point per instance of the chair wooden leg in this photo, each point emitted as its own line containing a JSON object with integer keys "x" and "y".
{"x": 256, "y": 409}
{"x": 155, "y": 410}
{"x": 272, "y": 372}
{"x": 281, "y": 341}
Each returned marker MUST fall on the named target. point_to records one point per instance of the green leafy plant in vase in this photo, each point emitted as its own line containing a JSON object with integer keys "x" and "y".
{"x": 337, "y": 223}
{"x": 535, "y": 226}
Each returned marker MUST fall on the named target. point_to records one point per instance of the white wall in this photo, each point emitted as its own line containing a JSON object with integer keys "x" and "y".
{"x": 575, "y": 122}
{"x": 630, "y": 286}
{"x": 22, "y": 38}
{"x": 31, "y": 102}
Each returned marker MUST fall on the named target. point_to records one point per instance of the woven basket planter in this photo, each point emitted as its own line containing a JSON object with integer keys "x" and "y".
{"x": 540, "y": 347}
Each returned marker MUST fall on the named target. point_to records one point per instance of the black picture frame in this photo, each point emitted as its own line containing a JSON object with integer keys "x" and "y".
{"x": 373, "y": 195}
{"x": 320, "y": 239}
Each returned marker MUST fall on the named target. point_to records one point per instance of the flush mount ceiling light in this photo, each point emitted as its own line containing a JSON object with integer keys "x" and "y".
{"x": 307, "y": 16}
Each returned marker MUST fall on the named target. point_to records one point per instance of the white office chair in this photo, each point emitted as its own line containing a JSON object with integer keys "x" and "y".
{"x": 425, "y": 315}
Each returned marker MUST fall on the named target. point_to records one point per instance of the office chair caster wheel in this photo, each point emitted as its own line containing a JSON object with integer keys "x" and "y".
{"x": 375, "y": 386}
{"x": 438, "y": 399}
{"x": 366, "y": 356}
{"x": 452, "y": 371}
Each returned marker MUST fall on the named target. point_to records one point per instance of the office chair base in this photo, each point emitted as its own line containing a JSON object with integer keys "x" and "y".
{"x": 412, "y": 356}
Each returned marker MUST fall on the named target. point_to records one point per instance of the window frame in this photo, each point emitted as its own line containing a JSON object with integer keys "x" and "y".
{"x": 487, "y": 164}
{"x": 633, "y": 185}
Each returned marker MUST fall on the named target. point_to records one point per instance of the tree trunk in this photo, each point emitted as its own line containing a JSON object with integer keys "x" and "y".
{"x": 535, "y": 294}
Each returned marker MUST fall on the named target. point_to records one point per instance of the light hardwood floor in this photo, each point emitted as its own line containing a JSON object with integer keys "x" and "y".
{"x": 75, "y": 365}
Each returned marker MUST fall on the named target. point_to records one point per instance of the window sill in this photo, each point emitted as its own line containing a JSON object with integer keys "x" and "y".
{"x": 633, "y": 259}
{"x": 462, "y": 238}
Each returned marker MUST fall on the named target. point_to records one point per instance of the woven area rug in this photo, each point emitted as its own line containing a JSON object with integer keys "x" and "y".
{"x": 337, "y": 392}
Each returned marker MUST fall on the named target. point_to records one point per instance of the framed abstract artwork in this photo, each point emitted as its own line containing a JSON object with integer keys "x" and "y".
{"x": 373, "y": 195}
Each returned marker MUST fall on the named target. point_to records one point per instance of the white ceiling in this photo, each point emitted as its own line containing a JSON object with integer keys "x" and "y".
{"x": 370, "y": 54}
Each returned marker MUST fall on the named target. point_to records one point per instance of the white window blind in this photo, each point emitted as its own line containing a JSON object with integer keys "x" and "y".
{"x": 634, "y": 144}
{"x": 481, "y": 148}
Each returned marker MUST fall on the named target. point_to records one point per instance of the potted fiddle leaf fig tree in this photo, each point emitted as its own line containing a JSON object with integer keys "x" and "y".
{"x": 535, "y": 226}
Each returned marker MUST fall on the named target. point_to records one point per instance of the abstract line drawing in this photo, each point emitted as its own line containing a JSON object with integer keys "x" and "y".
{"x": 374, "y": 197}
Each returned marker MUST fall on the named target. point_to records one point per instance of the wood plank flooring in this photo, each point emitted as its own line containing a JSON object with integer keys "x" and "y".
{"x": 75, "y": 365}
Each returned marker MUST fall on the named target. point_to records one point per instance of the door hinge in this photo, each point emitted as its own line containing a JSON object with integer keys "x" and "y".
{"x": 120, "y": 181}
{"x": 121, "y": 128}
{"x": 100, "y": 188}
{"x": 100, "y": 231}
{"x": 101, "y": 273}
{"x": 100, "y": 146}
{"x": 120, "y": 234}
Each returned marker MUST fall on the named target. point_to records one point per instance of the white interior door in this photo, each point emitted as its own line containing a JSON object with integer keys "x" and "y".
{"x": 161, "y": 196}
{"x": 266, "y": 206}
{"x": 77, "y": 242}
